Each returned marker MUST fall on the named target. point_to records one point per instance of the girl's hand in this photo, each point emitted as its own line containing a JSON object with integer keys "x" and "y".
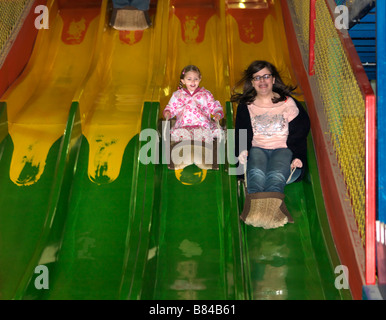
{"x": 167, "y": 114}
{"x": 296, "y": 163}
{"x": 217, "y": 116}
{"x": 243, "y": 156}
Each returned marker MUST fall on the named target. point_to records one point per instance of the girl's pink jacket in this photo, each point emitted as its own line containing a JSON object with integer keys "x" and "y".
{"x": 192, "y": 110}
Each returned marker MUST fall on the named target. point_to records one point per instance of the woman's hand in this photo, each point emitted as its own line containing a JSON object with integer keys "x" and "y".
{"x": 296, "y": 163}
{"x": 243, "y": 156}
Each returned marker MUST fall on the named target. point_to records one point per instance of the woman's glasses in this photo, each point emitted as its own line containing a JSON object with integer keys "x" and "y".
{"x": 265, "y": 77}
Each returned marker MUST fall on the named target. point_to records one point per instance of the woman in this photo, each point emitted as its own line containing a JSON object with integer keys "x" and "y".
{"x": 276, "y": 127}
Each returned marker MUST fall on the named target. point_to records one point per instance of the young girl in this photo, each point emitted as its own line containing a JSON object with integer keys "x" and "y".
{"x": 193, "y": 106}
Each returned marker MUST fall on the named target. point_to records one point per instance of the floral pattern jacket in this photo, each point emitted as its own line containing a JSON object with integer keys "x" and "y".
{"x": 192, "y": 112}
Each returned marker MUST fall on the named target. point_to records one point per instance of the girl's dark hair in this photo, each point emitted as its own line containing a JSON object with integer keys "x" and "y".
{"x": 249, "y": 93}
{"x": 188, "y": 68}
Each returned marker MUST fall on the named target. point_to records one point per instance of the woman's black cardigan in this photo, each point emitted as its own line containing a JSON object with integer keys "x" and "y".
{"x": 298, "y": 128}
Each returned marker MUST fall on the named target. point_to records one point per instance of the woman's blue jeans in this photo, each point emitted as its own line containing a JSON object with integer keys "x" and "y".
{"x": 139, "y": 4}
{"x": 269, "y": 170}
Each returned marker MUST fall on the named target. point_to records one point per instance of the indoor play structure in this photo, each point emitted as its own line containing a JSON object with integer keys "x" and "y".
{"x": 81, "y": 103}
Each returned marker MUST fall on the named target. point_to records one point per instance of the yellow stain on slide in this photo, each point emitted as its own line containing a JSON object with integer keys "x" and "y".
{"x": 190, "y": 175}
{"x": 191, "y": 29}
{"x": 76, "y": 29}
{"x": 106, "y": 152}
{"x": 29, "y": 155}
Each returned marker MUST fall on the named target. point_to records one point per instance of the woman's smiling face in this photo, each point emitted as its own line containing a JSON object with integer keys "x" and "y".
{"x": 262, "y": 85}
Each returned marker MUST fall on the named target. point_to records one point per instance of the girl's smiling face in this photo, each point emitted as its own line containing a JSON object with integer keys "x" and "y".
{"x": 191, "y": 80}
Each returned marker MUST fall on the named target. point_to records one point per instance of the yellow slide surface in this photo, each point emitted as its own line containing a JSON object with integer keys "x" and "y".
{"x": 38, "y": 104}
{"x": 257, "y": 34}
{"x": 80, "y": 59}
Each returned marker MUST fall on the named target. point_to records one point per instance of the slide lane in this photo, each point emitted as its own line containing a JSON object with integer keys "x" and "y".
{"x": 98, "y": 247}
{"x": 34, "y": 153}
{"x": 297, "y": 261}
{"x": 194, "y": 249}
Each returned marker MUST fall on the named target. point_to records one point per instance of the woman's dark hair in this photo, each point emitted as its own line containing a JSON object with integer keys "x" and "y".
{"x": 186, "y": 69}
{"x": 249, "y": 93}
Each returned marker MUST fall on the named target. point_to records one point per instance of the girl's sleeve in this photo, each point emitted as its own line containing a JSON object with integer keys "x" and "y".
{"x": 214, "y": 105}
{"x": 172, "y": 105}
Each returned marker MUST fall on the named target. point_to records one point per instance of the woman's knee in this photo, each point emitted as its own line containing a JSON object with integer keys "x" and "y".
{"x": 256, "y": 180}
{"x": 276, "y": 176}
